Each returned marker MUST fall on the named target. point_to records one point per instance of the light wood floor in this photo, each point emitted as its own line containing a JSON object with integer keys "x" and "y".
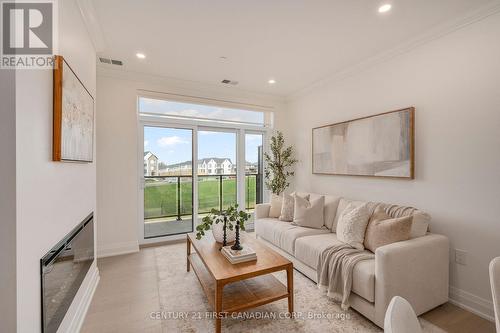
{"x": 128, "y": 292}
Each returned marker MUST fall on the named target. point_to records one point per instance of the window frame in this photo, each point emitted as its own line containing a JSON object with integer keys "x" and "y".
{"x": 268, "y": 111}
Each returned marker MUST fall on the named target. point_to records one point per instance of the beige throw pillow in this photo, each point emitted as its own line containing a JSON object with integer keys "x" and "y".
{"x": 420, "y": 221}
{"x": 351, "y": 225}
{"x": 309, "y": 213}
{"x": 287, "y": 206}
{"x": 275, "y": 209}
{"x": 383, "y": 229}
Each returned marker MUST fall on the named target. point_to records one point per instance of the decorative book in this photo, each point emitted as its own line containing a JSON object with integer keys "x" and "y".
{"x": 238, "y": 256}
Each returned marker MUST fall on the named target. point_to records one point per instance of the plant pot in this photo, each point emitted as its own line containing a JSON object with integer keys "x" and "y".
{"x": 218, "y": 232}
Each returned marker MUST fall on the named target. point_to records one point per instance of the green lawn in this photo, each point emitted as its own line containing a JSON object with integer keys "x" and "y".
{"x": 160, "y": 195}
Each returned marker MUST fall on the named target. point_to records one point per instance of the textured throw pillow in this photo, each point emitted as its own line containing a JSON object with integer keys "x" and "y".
{"x": 275, "y": 209}
{"x": 420, "y": 221}
{"x": 287, "y": 206}
{"x": 351, "y": 225}
{"x": 309, "y": 213}
{"x": 343, "y": 203}
{"x": 383, "y": 229}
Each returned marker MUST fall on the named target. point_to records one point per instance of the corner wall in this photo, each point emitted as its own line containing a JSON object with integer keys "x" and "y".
{"x": 454, "y": 84}
{"x": 52, "y": 197}
{"x": 8, "y": 201}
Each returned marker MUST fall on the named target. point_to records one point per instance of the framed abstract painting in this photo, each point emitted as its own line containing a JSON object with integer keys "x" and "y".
{"x": 381, "y": 145}
{"x": 73, "y": 119}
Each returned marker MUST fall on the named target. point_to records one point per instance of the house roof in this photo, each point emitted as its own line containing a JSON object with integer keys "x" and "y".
{"x": 148, "y": 153}
{"x": 217, "y": 160}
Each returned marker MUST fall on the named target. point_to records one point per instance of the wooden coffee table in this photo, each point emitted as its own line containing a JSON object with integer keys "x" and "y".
{"x": 233, "y": 288}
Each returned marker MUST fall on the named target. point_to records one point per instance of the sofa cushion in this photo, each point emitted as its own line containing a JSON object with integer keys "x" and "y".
{"x": 290, "y": 236}
{"x": 271, "y": 229}
{"x": 275, "y": 209}
{"x": 309, "y": 248}
{"x": 363, "y": 279}
{"x": 343, "y": 203}
{"x": 288, "y": 206}
{"x": 309, "y": 213}
{"x": 283, "y": 234}
{"x": 331, "y": 203}
{"x": 420, "y": 221}
{"x": 352, "y": 224}
{"x": 383, "y": 229}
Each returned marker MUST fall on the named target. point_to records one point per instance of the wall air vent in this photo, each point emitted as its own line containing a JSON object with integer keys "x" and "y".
{"x": 226, "y": 81}
{"x": 111, "y": 61}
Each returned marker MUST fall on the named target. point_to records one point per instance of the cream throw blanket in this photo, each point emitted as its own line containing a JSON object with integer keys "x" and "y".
{"x": 335, "y": 268}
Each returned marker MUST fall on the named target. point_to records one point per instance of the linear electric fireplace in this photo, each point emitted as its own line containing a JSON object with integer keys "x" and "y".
{"x": 63, "y": 269}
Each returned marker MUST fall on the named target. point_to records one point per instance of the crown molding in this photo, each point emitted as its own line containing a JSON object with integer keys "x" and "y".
{"x": 89, "y": 16}
{"x": 438, "y": 32}
{"x": 201, "y": 89}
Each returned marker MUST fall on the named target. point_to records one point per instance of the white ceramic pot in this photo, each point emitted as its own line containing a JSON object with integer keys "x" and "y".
{"x": 218, "y": 232}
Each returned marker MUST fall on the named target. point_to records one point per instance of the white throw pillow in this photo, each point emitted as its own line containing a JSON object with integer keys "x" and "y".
{"x": 352, "y": 224}
{"x": 287, "y": 206}
{"x": 309, "y": 213}
{"x": 275, "y": 209}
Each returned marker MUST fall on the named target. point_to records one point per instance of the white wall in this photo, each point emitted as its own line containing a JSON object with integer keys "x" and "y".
{"x": 454, "y": 84}
{"x": 117, "y": 149}
{"x": 8, "y": 201}
{"x": 51, "y": 197}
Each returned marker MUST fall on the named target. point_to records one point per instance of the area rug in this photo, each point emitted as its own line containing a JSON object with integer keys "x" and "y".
{"x": 184, "y": 306}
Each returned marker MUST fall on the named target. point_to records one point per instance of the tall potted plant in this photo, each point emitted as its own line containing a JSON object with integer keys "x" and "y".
{"x": 279, "y": 162}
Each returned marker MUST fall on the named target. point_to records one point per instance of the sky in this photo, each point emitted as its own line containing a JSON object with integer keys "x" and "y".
{"x": 172, "y": 145}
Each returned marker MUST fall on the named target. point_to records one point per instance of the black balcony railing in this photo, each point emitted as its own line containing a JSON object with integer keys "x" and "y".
{"x": 172, "y": 196}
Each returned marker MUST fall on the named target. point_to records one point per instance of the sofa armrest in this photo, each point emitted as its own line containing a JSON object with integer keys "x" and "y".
{"x": 262, "y": 210}
{"x": 416, "y": 269}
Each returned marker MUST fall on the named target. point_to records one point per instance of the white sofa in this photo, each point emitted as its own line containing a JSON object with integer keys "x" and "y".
{"x": 416, "y": 269}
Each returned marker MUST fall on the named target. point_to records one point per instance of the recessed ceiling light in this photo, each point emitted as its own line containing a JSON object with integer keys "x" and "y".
{"x": 384, "y": 8}
{"x": 140, "y": 55}
{"x": 271, "y": 81}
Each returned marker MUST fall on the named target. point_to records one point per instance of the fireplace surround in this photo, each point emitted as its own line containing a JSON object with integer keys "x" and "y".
{"x": 63, "y": 270}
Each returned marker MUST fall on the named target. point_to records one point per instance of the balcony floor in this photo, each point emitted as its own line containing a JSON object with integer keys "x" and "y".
{"x": 165, "y": 227}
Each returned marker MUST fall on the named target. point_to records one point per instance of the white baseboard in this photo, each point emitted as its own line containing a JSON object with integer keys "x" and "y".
{"x": 76, "y": 313}
{"x": 116, "y": 249}
{"x": 470, "y": 302}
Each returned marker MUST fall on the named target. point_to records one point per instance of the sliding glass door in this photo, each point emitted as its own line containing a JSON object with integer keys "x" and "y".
{"x": 187, "y": 172}
{"x": 168, "y": 181}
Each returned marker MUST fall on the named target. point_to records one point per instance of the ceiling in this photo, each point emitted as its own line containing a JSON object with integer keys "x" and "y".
{"x": 295, "y": 42}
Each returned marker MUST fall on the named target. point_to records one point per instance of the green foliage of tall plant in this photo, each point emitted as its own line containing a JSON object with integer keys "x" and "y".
{"x": 278, "y": 164}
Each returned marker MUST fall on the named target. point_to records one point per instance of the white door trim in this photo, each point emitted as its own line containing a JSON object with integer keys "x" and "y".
{"x": 194, "y": 151}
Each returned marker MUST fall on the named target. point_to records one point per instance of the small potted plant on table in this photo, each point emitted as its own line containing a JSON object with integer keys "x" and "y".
{"x": 225, "y": 225}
